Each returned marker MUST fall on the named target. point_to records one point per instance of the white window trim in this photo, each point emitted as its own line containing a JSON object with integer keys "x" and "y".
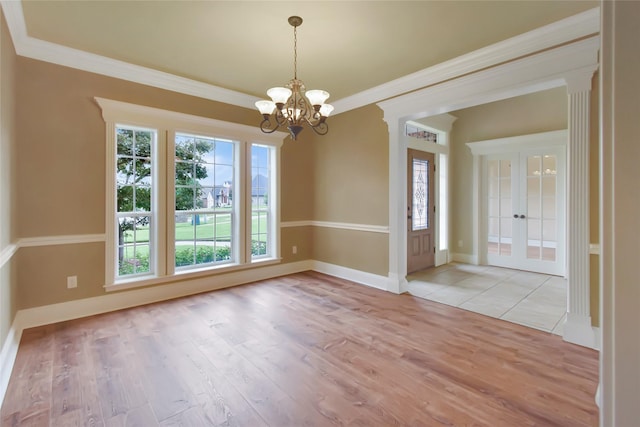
{"x": 167, "y": 123}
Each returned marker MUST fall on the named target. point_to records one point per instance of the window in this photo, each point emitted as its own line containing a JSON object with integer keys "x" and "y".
{"x": 260, "y": 212}
{"x": 187, "y": 195}
{"x": 134, "y": 216}
{"x": 204, "y": 207}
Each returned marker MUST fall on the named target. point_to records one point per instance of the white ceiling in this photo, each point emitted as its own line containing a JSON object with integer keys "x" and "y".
{"x": 344, "y": 47}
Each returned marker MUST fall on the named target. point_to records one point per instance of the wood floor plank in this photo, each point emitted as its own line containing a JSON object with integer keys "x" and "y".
{"x": 300, "y": 350}
{"x": 28, "y": 398}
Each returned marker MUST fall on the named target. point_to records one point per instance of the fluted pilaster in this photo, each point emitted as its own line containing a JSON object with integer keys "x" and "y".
{"x": 577, "y": 328}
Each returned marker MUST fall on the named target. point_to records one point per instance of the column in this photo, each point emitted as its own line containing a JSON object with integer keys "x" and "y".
{"x": 577, "y": 328}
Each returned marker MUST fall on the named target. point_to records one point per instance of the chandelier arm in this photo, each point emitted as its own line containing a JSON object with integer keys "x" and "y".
{"x": 281, "y": 119}
{"x": 265, "y": 126}
{"x": 321, "y": 128}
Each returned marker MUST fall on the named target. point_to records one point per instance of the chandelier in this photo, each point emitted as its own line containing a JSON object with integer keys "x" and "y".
{"x": 293, "y": 106}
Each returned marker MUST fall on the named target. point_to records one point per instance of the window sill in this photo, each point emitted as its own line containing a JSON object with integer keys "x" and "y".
{"x": 187, "y": 275}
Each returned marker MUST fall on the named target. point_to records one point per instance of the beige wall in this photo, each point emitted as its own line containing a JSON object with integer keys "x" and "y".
{"x": 8, "y": 278}
{"x": 61, "y": 169}
{"x": 360, "y": 250}
{"x": 352, "y": 186}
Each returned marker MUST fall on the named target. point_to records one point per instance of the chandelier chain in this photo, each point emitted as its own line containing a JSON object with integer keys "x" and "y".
{"x": 295, "y": 52}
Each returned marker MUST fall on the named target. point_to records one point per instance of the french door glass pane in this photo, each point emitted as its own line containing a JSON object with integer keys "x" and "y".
{"x": 506, "y": 236}
{"x": 500, "y": 208}
{"x": 541, "y": 207}
{"x": 493, "y": 244}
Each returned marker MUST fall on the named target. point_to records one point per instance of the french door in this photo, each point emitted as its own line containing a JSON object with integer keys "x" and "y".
{"x": 525, "y": 210}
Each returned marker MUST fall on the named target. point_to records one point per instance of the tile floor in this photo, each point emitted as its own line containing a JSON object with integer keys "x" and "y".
{"x": 530, "y": 299}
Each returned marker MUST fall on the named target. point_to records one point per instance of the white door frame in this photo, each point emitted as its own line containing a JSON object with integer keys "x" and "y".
{"x": 440, "y": 125}
{"x": 571, "y": 65}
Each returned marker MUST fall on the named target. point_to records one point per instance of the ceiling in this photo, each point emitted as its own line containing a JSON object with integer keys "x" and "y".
{"x": 344, "y": 47}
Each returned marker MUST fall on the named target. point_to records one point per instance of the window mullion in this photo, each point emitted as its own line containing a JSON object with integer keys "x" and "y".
{"x": 170, "y": 202}
{"x": 244, "y": 208}
{"x": 164, "y": 240}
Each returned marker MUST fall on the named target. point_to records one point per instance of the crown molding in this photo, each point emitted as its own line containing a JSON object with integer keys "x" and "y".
{"x": 581, "y": 25}
{"x": 545, "y": 70}
{"x": 566, "y": 30}
{"x": 61, "y": 55}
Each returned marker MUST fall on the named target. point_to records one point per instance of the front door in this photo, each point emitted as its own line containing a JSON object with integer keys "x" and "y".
{"x": 420, "y": 211}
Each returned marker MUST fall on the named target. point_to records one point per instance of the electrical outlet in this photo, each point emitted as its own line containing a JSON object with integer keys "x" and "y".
{"x": 72, "y": 282}
{"x": 294, "y": 250}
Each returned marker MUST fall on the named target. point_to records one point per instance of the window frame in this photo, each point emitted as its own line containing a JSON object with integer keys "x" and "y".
{"x": 166, "y": 125}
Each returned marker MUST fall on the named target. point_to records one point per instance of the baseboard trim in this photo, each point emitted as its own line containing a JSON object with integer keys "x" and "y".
{"x": 54, "y": 313}
{"x": 464, "y": 258}
{"x": 358, "y": 276}
{"x": 8, "y": 355}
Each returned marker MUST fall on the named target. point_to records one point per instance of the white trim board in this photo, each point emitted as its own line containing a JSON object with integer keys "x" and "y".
{"x": 7, "y": 253}
{"x": 72, "y": 239}
{"x": 358, "y": 276}
{"x": 53, "y": 313}
{"x": 341, "y": 225}
{"x": 60, "y": 240}
{"x": 557, "y": 33}
{"x": 8, "y": 355}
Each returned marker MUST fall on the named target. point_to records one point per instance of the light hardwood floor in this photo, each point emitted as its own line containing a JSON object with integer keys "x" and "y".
{"x": 305, "y": 349}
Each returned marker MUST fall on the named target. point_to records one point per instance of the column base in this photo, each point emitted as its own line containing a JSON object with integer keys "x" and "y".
{"x": 578, "y": 330}
{"x": 397, "y": 284}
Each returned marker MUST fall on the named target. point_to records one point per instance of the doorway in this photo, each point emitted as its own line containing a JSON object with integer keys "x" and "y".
{"x": 421, "y": 245}
{"x": 522, "y": 202}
